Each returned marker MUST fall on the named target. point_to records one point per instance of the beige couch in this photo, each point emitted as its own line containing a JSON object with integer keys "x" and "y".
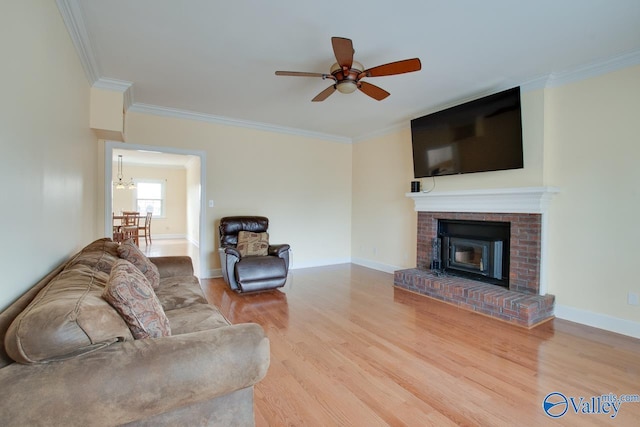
{"x": 68, "y": 358}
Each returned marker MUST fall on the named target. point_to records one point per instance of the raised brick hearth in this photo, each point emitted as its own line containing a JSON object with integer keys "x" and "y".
{"x": 522, "y": 303}
{"x": 520, "y": 308}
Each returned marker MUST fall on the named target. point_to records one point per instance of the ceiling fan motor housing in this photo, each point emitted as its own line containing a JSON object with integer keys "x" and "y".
{"x": 346, "y": 82}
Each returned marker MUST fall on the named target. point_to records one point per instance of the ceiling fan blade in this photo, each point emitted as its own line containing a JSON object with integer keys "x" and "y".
{"x": 324, "y": 94}
{"x": 398, "y": 67}
{"x": 300, "y": 74}
{"x": 343, "y": 50}
{"x": 373, "y": 91}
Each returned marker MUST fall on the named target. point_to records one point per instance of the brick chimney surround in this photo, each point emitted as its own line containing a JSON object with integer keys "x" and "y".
{"x": 525, "y": 302}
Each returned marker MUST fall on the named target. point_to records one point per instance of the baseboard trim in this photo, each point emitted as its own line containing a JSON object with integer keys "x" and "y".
{"x": 295, "y": 265}
{"x": 168, "y": 236}
{"x": 213, "y": 274}
{"x": 376, "y": 265}
{"x": 598, "y": 320}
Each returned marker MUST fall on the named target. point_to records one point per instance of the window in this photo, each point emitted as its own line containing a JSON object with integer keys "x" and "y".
{"x": 150, "y": 197}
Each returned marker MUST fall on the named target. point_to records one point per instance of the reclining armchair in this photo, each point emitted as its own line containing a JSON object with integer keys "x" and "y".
{"x": 249, "y": 263}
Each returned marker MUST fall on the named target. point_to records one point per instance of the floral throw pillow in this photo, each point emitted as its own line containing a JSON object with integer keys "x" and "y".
{"x": 130, "y": 293}
{"x": 129, "y": 251}
{"x": 252, "y": 243}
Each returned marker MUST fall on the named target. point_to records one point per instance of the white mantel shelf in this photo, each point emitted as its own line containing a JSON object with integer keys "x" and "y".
{"x": 497, "y": 200}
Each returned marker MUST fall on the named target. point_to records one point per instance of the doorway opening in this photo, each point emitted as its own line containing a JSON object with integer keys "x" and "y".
{"x": 179, "y": 207}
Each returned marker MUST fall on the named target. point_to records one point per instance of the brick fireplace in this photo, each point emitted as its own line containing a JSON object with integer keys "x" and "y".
{"x": 524, "y": 302}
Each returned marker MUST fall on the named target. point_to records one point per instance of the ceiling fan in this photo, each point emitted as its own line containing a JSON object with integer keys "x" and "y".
{"x": 347, "y": 73}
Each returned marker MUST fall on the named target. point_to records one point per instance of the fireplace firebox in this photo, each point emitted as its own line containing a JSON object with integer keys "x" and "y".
{"x": 474, "y": 249}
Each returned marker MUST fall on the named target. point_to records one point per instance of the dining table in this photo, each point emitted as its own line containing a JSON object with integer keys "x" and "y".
{"x": 121, "y": 217}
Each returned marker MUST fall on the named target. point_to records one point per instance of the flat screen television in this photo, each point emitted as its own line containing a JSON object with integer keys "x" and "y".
{"x": 477, "y": 136}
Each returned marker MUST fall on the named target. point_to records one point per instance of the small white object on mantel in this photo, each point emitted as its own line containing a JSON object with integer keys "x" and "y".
{"x": 496, "y": 200}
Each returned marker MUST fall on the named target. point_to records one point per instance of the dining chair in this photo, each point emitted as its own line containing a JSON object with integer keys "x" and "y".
{"x": 129, "y": 227}
{"x": 117, "y": 234}
{"x": 145, "y": 229}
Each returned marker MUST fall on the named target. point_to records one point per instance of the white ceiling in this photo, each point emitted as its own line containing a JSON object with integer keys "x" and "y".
{"x": 218, "y": 58}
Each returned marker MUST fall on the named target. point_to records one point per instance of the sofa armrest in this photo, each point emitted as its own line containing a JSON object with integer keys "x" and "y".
{"x": 281, "y": 251}
{"x": 134, "y": 380}
{"x": 278, "y": 250}
{"x": 172, "y": 266}
{"x": 228, "y": 259}
{"x": 232, "y": 251}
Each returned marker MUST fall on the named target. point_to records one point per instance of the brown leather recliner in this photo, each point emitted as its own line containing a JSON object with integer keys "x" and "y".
{"x": 251, "y": 273}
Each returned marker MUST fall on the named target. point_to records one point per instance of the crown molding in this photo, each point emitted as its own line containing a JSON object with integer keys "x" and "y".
{"x": 609, "y": 65}
{"x": 73, "y": 19}
{"x": 112, "y": 84}
{"x": 210, "y": 118}
{"x": 123, "y": 86}
{"x": 595, "y": 69}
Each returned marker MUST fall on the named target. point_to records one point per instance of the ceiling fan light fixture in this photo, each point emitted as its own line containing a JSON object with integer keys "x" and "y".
{"x": 346, "y": 82}
{"x": 346, "y": 86}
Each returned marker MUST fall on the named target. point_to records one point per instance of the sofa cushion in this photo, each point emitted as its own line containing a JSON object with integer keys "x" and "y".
{"x": 131, "y": 294}
{"x": 250, "y": 243}
{"x": 68, "y": 317}
{"x": 100, "y": 255}
{"x": 195, "y": 318}
{"x": 180, "y": 291}
{"x": 129, "y": 251}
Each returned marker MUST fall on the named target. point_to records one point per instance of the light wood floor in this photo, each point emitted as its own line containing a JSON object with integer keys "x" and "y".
{"x": 348, "y": 349}
{"x": 169, "y": 247}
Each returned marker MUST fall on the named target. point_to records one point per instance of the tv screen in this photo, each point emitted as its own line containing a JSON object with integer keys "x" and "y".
{"x": 478, "y": 136}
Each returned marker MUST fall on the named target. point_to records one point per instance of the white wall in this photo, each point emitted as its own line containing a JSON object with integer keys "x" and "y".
{"x": 49, "y": 155}
{"x": 592, "y": 154}
{"x": 383, "y": 220}
{"x": 303, "y": 185}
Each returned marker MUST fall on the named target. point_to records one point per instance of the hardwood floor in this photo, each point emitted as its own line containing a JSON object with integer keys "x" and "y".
{"x": 349, "y": 349}
{"x": 168, "y": 247}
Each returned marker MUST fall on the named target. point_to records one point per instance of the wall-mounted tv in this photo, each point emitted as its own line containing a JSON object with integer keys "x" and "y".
{"x": 477, "y": 136}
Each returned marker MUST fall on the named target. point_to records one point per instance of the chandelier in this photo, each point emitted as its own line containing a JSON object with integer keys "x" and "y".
{"x": 120, "y": 184}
